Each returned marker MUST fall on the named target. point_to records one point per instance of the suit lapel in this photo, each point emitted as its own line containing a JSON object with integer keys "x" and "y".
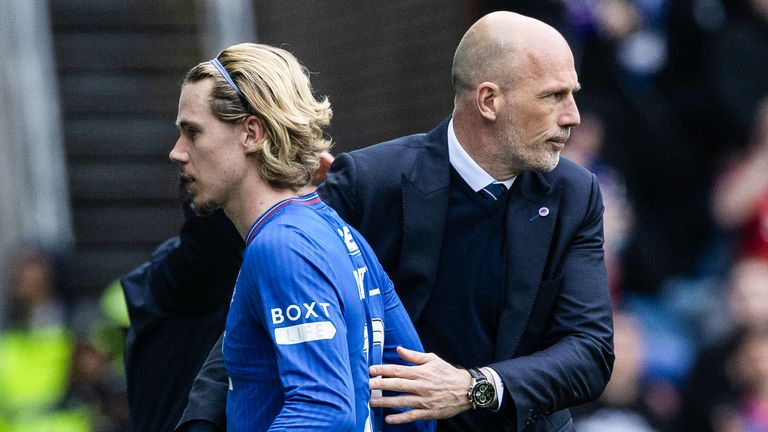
{"x": 529, "y": 230}
{"x": 425, "y": 206}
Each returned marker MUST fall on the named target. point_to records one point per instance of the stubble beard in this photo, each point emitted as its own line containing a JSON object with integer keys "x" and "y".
{"x": 549, "y": 160}
{"x": 204, "y": 208}
{"x": 522, "y": 156}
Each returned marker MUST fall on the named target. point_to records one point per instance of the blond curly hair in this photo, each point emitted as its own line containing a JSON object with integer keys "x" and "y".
{"x": 275, "y": 87}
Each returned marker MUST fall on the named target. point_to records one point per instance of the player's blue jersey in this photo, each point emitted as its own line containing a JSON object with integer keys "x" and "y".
{"x": 311, "y": 311}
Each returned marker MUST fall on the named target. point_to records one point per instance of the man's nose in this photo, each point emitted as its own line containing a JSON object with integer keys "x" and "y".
{"x": 178, "y": 153}
{"x": 569, "y": 116}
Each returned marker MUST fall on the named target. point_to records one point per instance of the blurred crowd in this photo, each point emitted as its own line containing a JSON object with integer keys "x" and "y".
{"x": 61, "y": 366}
{"x": 675, "y": 126}
{"x": 674, "y": 113}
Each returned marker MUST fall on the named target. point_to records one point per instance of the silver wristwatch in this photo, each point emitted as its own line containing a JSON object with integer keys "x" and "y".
{"x": 481, "y": 392}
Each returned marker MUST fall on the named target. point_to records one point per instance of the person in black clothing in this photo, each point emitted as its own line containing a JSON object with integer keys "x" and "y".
{"x": 177, "y": 303}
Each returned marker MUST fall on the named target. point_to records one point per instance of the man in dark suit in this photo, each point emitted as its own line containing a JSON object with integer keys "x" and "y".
{"x": 493, "y": 242}
{"x": 516, "y": 284}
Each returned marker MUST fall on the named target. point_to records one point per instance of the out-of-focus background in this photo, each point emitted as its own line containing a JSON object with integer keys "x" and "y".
{"x": 674, "y": 123}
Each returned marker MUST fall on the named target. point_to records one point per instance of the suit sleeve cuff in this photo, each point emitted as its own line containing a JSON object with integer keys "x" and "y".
{"x": 499, "y": 385}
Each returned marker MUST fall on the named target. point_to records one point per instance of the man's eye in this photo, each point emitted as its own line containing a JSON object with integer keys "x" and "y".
{"x": 192, "y": 133}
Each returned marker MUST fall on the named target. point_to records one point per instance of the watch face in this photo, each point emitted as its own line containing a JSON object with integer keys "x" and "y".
{"x": 483, "y": 394}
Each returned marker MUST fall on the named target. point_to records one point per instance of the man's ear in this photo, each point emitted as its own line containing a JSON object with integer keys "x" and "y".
{"x": 488, "y": 100}
{"x": 254, "y": 133}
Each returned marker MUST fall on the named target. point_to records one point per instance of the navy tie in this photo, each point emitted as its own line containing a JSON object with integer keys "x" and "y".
{"x": 493, "y": 191}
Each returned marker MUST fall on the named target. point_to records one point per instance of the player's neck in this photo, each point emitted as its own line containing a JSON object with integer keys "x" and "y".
{"x": 253, "y": 201}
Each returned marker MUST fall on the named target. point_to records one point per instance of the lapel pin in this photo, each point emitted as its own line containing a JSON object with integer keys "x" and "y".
{"x": 543, "y": 212}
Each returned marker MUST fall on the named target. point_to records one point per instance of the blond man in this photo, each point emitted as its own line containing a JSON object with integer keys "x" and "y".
{"x": 312, "y": 305}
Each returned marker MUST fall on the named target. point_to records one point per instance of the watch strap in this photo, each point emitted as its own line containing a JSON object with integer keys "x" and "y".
{"x": 477, "y": 377}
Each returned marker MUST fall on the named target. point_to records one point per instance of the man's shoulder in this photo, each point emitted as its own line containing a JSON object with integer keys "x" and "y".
{"x": 405, "y": 149}
{"x": 395, "y": 149}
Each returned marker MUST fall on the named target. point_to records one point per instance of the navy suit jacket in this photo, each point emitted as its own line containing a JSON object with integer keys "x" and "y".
{"x": 555, "y": 339}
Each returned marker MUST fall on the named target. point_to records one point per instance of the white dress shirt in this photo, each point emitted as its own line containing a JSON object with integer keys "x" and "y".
{"x": 475, "y": 176}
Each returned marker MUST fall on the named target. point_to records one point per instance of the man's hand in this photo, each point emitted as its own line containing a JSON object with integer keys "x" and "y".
{"x": 434, "y": 388}
{"x": 326, "y": 159}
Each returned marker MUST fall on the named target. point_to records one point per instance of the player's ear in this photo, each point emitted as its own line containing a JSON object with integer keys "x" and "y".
{"x": 254, "y": 133}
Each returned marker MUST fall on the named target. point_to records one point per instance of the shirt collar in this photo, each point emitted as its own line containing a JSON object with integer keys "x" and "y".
{"x": 472, "y": 173}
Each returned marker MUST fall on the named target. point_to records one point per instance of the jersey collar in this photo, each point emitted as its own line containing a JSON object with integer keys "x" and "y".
{"x": 308, "y": 199}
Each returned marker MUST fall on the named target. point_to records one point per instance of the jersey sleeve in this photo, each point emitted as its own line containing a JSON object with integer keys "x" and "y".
{"x": 295, "y": 298}
{"x": 399, "y": 331}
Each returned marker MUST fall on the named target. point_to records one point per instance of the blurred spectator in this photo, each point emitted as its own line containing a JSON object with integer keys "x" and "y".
{"x": 693, "y": 28}
{"x": 36, "y": 351}
{"x": 95, "y": 385}
{"x": 656, "y": 393}
{"x": 710, "y": 391}
{"x": 585, "y": 148}
{"x": 637, "y": 28}
{"x": 50, "y": 378}
{"x": 96, "y": 376}
{"x": 623, "y": 50}
{"x": 739, "y": 70}
{"x": 34, "y": 303}
{"x": 109, "y": 330}
{"x": 747, "y": 370}
{"x": 740, "y": 197}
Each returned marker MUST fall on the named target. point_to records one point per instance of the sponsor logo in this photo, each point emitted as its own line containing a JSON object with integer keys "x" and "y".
{"x": 295, "y": 312}
{"x": 307, "y": 332}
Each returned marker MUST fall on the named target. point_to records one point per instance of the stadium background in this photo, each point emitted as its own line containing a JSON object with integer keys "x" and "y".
{"x": 88, "y": 97}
